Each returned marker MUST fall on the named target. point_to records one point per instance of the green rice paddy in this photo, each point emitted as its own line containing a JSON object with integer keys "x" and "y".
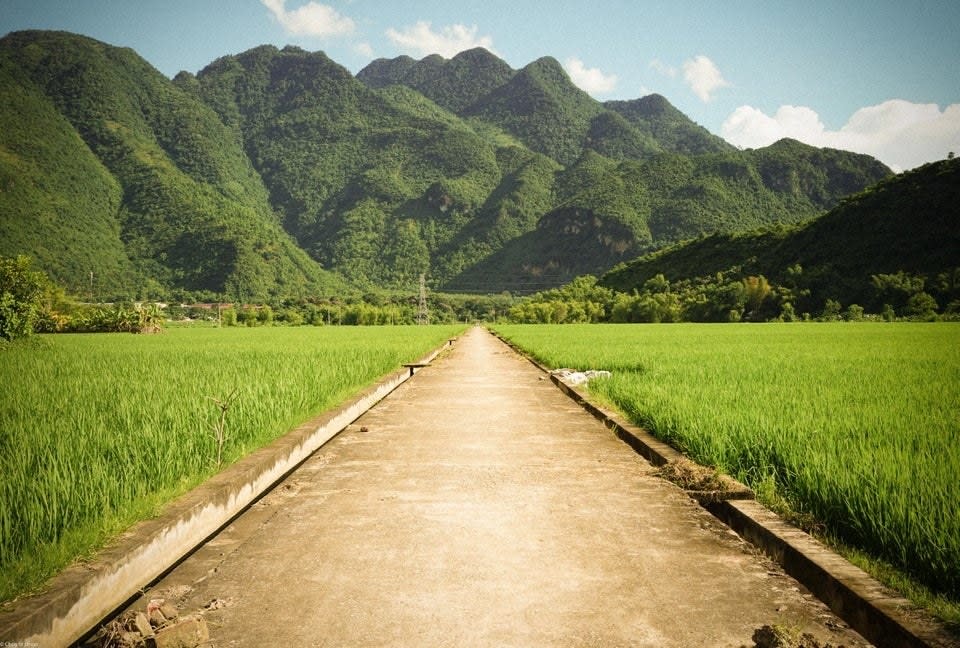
{"x": 856, "y": 426}
{"x": 100, "y": 430}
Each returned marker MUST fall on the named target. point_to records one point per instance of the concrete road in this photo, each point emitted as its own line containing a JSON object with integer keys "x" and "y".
{"x": 478, "y": 506}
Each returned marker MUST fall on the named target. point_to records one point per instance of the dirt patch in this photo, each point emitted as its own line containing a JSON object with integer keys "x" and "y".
{"x": 781, "y": 637}
{"x": 706, "y": 485}
{"x": 692, "y": 476}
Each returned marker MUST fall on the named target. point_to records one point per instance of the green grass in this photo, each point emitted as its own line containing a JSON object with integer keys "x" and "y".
{"x": 856, "y": 426}
{"x": 98, "y": 431}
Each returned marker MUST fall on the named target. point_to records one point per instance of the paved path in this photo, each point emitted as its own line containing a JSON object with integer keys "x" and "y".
{"x": 478, "y": 506}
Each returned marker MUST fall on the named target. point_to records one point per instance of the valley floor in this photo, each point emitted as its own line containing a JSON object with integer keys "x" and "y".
{"x": 477, "y": 505}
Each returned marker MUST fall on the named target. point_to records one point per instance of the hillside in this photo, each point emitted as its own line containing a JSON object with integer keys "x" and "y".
{"x": 608, "y": 212}
{"x": 134, "y": 181}
{"x": 371, "y": 183}
{"x": 265, "y": 171}
{"x": 57, "y": 200}
{"x": 453, "y": 84}
{"x": 660, "y": 121}
{"x": 905, "y": 230}
{"x": 542, "y": 108}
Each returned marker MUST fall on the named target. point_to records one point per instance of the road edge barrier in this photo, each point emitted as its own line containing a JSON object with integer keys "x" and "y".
{"x": 880, "y": 615}
{"x": 79, "y": 598}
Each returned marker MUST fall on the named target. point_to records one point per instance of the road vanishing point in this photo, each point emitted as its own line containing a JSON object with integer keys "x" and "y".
{"x": 477, "y": 505}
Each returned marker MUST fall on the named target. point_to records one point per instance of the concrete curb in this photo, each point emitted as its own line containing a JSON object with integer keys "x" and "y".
{"x": 650, "y": 448}
{"x": 643, "y": 443}
{"x": 883, "y": 617}
{"x": 880, "y": 615}
{"x": 81, "y": 596}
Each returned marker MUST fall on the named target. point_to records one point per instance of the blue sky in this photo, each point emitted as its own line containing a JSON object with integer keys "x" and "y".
{"x": 879, "y": 77}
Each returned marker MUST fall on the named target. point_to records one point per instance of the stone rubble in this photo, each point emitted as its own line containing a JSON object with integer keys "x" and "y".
{"x": 159, "y": 626}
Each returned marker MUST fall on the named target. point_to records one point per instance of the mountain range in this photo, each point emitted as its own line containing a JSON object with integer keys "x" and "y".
{"x": 877, "y": 247}
{"x": 278, "y": 173}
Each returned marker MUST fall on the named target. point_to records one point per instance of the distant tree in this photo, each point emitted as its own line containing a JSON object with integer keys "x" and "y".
{"x": 265, "y": 315}
{"x": 757, "y": 291}
{"x": 21, "y": 297}
{"x": 787, "y": 312}
{"x": 290, "y": 317}
{"x": 897, "y": 289}
{"x": 831, "y": 310}
{"x": 657, "y": 284}
{"x": 854, "y": 313}
{"x": 922, "y": 306}
{"x": 247, "y": 316}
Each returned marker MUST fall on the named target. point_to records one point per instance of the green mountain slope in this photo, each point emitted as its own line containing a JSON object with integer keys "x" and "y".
{"x": 908, "y": 224}
{"x": 268, "y": 169}
{"x": 660, "y": 121}
{"x": 542, "y": 108}
{"x": 373, "y": 183}
{"x": 57, "y": 200}
{"x": 188, "y": 209}
{"x": 661, "y": 178}
{"x": 454, "y": 84}
{"x": 607, "y": 211}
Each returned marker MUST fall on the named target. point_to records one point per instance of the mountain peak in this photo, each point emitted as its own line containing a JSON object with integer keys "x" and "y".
{"x": 476, "y": 54}
{"x": 453, "y": 84}
{"x": 655, "y": 116}
{"x": 383, "y": 72}
{"x": 650, "y": 106}
{"x": 542, "y": 107}
{"x": 548, "y": 67}
{"x": 655, "y": 104}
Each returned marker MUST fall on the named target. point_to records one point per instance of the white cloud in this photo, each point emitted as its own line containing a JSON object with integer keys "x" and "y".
{"x": 421, "y": 39}
{"x": 663, "y": 68}
{"x": 591, "y": 80}
{"x": 363, "y": 49}
{"x": 899, "y": 133}
{"x": 703, "y": 77}
{"x": 311, "y": 19}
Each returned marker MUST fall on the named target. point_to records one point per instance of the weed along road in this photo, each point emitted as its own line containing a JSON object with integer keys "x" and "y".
{"x": 479, "y": 506}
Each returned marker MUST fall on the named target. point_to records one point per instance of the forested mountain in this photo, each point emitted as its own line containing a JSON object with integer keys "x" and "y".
{"x": 543, "y": 109}
{"x": 898, "y": 239}
{"x": 453, "y": 84}
{"x": 252, "y": 176}
{"x": 673, "y": 131}
{"x": 119, "y": 182}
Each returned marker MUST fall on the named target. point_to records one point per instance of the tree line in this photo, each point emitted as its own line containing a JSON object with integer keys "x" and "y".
{"x": 729, "y": 297}
{"x": 30, "y": 302}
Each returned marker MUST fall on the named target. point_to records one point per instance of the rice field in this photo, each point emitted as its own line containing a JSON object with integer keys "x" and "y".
{"x": 99, "y": 430}
{"x": 856, "y": 425}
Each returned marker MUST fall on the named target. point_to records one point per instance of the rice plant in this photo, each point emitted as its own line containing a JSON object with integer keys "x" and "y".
{"x": 99, "y": 430}
{"x": 855, "y": 425}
